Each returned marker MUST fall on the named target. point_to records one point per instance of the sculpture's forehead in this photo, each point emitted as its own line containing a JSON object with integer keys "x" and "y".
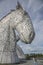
{"x": 19, "y": 16}
{"x": 17, "y": 13}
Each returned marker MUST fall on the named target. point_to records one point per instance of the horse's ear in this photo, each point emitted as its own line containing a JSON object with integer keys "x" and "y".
{"x": 18, "y": 5}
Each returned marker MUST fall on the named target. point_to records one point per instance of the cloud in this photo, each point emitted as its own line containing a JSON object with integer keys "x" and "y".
{"x": 34, "y": 5}
{"x": 30, "y": 49}
{"x": 6, "y": 6}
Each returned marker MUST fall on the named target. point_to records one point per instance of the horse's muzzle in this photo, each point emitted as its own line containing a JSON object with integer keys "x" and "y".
{"x": 31, "y": 37}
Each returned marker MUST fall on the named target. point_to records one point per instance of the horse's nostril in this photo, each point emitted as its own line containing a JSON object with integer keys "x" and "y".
{"x": 32, "y": 35}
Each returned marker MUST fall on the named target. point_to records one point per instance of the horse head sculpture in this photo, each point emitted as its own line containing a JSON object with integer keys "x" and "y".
{"x": 20, "y": 21}
{"x": 23, "y": 25}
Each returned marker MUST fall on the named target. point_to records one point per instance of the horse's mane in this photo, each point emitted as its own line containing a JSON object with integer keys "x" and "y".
{"x": 7, "y": 14}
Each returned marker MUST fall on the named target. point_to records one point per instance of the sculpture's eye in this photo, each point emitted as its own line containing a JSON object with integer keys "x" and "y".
{"x": 25, "y": 13}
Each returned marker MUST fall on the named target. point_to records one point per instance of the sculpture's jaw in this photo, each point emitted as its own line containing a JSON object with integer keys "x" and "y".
{"x": 29, "y": 41}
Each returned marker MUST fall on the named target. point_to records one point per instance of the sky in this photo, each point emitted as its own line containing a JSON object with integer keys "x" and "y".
{"x": 35, "y": 10}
